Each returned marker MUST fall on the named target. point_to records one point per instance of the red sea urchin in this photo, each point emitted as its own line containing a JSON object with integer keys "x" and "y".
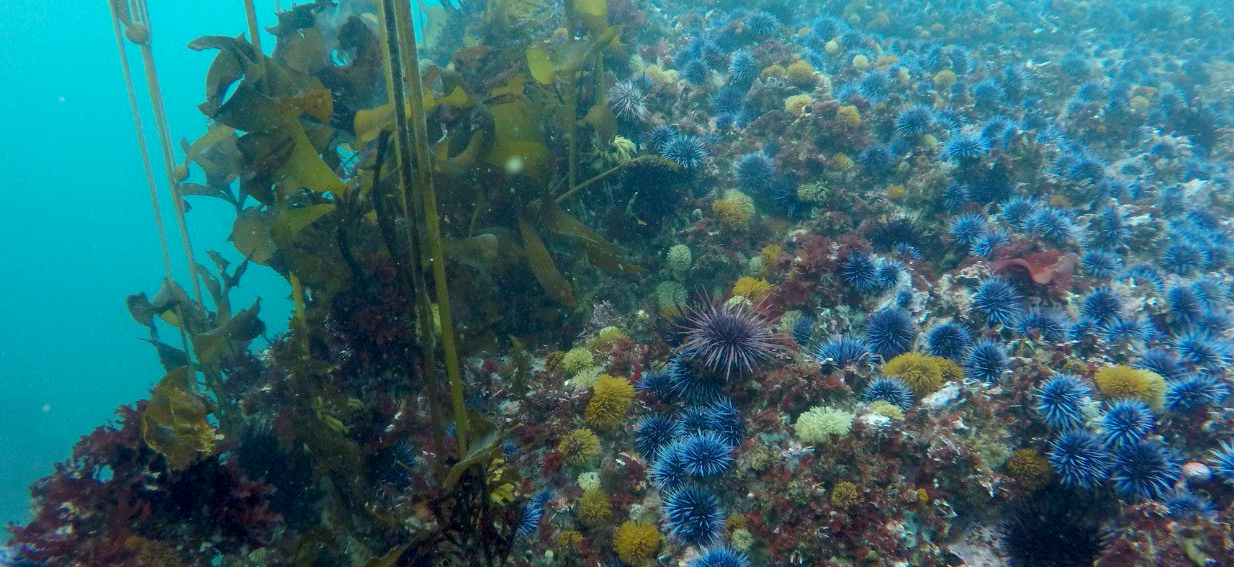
{"x": 728, "y": 339}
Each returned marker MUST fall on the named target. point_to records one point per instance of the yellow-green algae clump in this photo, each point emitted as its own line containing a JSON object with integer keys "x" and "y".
{"x": 679, "y": 259}
{"x": 820, "y": 423}
{"x": 734, "y": 210}
{"x": 1029, "y": 469}
{"x": 577, "y": 359}
{"x": 1127, "y": 382}
{"x": 751, "y": 288}
{"x": 844, "y": 494}
{"x": 579, "y": 446}
{"x": 922, "y": 373}
{"x": 594, "y": 509}
{"x": 610, "y": 398}
{"x": 636, "y": 542}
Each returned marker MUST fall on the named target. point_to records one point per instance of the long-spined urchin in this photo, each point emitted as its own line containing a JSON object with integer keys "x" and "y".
{"x": 628, "y": 101}
{"x": 1079, "y": 459}
{"x": 729, "y": 339}
{"x": 1145, "y": 469}
{"x": 890, "y": 332}
{"x": 1061, "y": 400}
{"x": 693, "y": 516}
{"x": 838, "y": 352}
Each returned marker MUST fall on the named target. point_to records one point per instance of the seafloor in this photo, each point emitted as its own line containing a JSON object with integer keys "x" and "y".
{"x": 884, "y": 283}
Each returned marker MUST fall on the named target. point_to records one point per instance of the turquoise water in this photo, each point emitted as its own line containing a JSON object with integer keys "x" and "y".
{"x": 77, "y": 233}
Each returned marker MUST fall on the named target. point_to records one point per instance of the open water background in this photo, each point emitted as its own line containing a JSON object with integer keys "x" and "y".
{"x": 76, "y": 230}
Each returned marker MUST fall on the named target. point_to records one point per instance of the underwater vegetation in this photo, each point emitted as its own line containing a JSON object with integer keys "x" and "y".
{"x": 606, "y": 282}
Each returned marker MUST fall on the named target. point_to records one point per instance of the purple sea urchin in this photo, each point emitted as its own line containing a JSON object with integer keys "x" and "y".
{"x": 686, "y": 151}
{"x": 949, "y": 340}
{"x": 628, "y": 101}
{"x": 998, "y": 301}
{"x": 706, "y": 454}
{"x": 841, "y": 351}
{"x": 729, "y": 339}
{"x": 1127, "y": 421}
{"x": 755, "y": 171}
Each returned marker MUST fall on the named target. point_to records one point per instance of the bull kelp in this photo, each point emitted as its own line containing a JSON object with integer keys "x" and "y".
{"x": 624, "y": 282}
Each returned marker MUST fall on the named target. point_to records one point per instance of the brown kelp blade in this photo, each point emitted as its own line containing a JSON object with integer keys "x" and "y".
{"x": 600, "y": 252}
{"x": 250, "y": 233}
{"x": 542, "y": 265}
{"x": 175, "y": 422}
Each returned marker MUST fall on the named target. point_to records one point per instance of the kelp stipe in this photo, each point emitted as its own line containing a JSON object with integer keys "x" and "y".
{"x": 401, "y": 63}
{"x": 135, "y": 20}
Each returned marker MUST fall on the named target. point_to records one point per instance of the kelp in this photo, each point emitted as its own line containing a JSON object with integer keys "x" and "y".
{"x": 513, "y": 15}
{"x": 542, "y": 265}
{"x": 250, "y": 233}
{"x": 519, "y": 139}
{"x": 594, "y": 14}
{"x": 305, "y": 145}
{"x": 273, "y": 121}
{"x": 210, "y": 334}
{"x": 519, "y": 148}
{"x": 175, "y": 424}
{"x": 600, "y": 252}
{"x": 370, "y": 122}
{"x": 229, "y": 335}
{"x": 485, "y": 448}
{"x": 290, "y": 222}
